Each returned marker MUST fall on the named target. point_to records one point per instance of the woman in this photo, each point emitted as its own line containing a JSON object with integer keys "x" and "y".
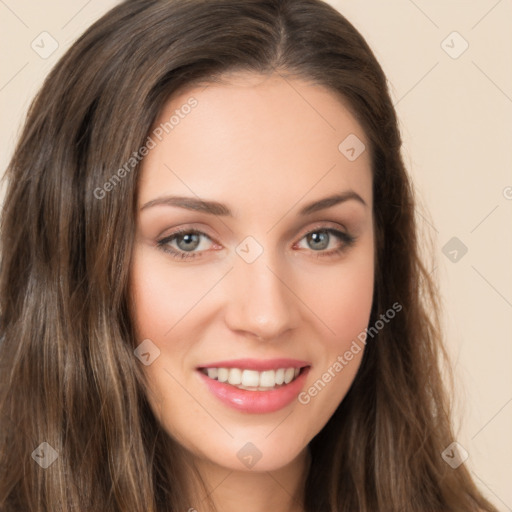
{"x": 211, "y": 292}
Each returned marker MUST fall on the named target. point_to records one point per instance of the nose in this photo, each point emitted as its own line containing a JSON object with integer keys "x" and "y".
{"x": 260, "y": 300}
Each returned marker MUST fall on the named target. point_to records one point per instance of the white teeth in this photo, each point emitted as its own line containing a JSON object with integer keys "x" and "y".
{"x": 235, "y": 376}
{"x": 252, "y": 379}
{"x": 268, "y": 379}
{"x": 223, "y": 374}
{"x": 288, "y": 375}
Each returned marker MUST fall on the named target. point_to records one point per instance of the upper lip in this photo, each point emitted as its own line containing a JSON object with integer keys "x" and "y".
{"x": 257, "y": 364}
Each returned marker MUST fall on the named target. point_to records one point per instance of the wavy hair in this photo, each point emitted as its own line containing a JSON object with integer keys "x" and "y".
{"x": 68, "y": 375}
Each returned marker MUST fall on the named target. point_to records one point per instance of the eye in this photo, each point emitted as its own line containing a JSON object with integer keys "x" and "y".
{"x": 326, "y": 241}
{"x": 185, "y": 244}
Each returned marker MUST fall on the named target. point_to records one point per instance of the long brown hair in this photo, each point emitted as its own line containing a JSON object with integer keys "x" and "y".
{"x": 68, "y": 375}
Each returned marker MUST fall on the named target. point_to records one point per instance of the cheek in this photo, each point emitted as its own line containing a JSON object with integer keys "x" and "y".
{"x": 342, "y": 298}
{"x": 343, "y": 302}
{"x": 346, "y": 306}
{"x": 162, "y": 296}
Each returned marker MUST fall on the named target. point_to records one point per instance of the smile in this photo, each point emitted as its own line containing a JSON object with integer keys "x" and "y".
{"x": 255, "y": 386}
{"x": 253, "y": 380}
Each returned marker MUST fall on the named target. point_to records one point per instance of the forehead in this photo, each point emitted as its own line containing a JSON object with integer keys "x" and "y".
{"x": 255, "y": 136}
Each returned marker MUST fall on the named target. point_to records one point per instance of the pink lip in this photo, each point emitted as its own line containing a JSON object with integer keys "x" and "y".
{"x": 256, "y": 402}
{"x": 258, "y": 364}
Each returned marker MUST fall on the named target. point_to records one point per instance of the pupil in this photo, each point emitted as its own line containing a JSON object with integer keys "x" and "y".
{"x": 318, "y": 240}
{"x": 191, "y": 242}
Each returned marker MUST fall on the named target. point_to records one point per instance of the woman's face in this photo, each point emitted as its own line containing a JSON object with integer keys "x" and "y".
{"x": 254, "y": 262}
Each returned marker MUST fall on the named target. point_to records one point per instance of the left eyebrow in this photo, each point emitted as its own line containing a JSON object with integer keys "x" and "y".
{"x": 327, "y": 202}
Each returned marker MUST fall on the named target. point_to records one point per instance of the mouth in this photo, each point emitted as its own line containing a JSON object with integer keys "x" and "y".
{"x": 255, "y": 386}
{"x": 253, "y": 380}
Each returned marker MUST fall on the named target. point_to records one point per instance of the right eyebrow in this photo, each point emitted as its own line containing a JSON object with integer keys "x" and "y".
{"x": 190, "y": 203}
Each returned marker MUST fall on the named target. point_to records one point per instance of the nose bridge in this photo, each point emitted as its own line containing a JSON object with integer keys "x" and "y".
{"x": 259, "y": 300}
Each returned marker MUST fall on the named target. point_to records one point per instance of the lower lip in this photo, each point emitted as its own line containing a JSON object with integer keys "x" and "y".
{"x": 256, "y": 402}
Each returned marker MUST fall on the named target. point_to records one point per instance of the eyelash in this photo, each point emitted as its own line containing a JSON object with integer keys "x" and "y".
{"x": 163, "y": 244}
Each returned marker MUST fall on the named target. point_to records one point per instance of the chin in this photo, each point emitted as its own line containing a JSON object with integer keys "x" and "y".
{"x": 251, "y": 456}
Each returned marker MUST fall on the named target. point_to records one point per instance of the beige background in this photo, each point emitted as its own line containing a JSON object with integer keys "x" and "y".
{"x": 456, "y": 120}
